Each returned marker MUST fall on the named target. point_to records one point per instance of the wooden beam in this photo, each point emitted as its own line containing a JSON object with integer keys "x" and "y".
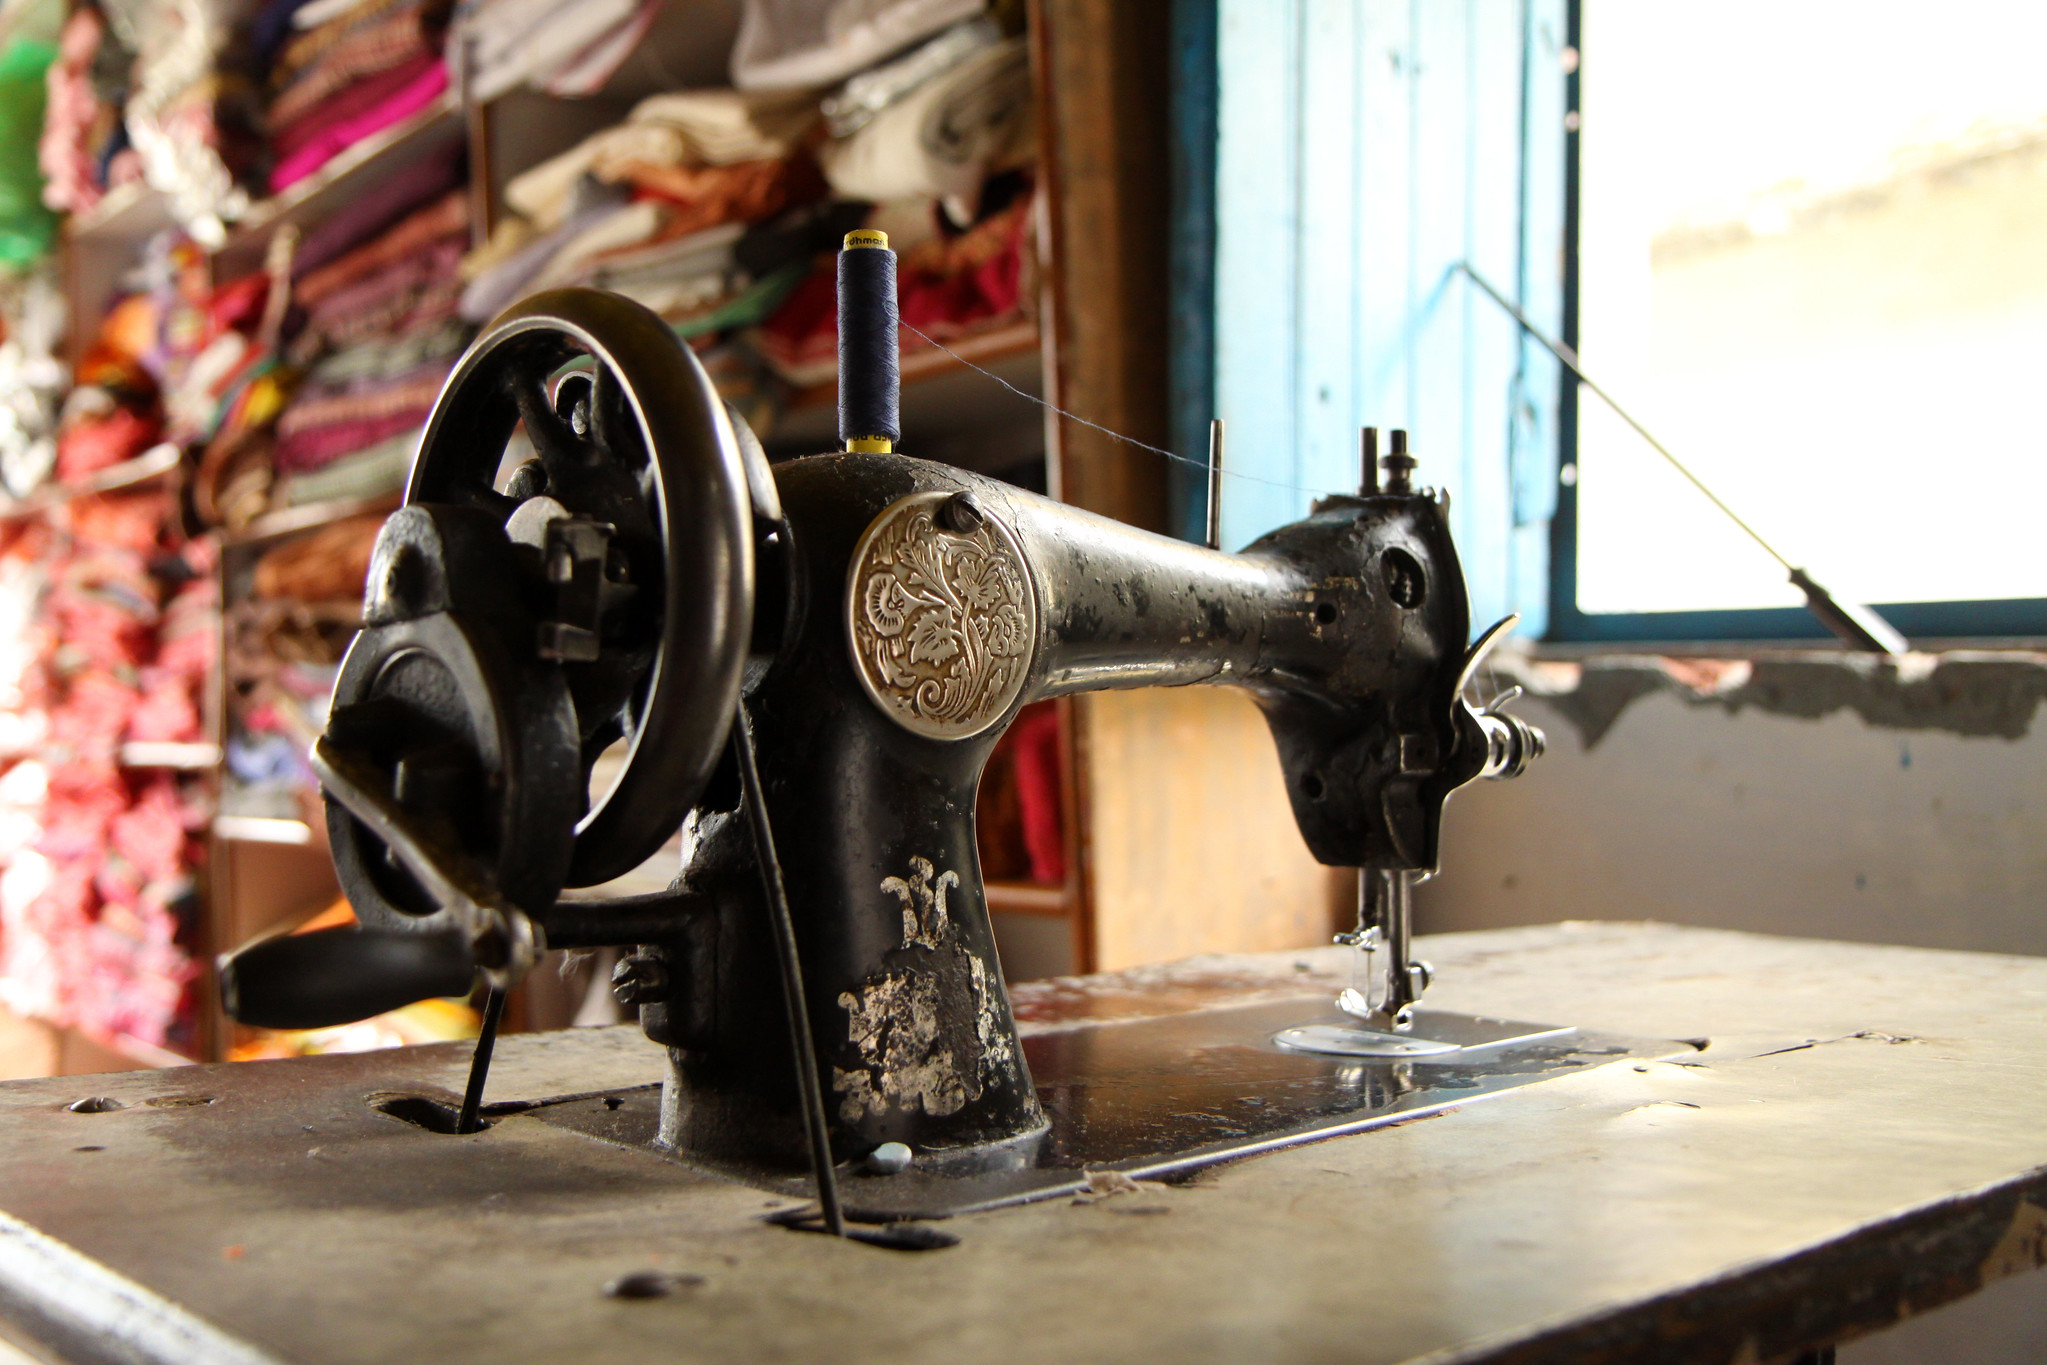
{"x": 1102, "y": 70}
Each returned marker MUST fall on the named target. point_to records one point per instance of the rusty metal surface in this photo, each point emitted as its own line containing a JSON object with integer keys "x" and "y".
{"x": 1864, "y": 1136}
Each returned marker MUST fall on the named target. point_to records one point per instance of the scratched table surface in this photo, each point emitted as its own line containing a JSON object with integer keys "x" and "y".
{"x": 1863, "y": 1136}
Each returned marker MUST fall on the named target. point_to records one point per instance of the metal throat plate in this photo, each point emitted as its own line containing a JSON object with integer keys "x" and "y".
{"x": 1160, "y": 1098}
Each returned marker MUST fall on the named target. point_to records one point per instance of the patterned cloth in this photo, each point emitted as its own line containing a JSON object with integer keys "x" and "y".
{"x": 415, "y": 97}
{"x": 365, "y": 51}
{"x": 447, "y": 216}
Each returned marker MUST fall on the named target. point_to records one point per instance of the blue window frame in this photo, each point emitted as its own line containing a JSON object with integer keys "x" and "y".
{"x": 1333, "y": 163}
{"x": 1919, "y": 620}
{"x": 1362, "y": 150}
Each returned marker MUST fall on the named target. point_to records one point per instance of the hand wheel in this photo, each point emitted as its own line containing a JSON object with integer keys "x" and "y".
{"x": 525, "y": 615}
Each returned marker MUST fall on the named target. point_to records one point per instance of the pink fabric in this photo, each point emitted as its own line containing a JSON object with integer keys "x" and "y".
{"x": 310, "y": 450}
{"x": 353, "y": 101}
{"x": 417, "y": 95}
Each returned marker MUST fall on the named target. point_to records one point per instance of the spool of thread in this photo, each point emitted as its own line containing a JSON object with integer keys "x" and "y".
{"x": 870, "y": 378}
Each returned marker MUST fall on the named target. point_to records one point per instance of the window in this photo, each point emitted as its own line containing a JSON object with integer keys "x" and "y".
{"x": 1804, "y": 241}
{"x": 1811, "y": 250}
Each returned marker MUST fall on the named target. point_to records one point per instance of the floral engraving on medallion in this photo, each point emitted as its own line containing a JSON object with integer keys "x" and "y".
{"x": 942, "y": 623}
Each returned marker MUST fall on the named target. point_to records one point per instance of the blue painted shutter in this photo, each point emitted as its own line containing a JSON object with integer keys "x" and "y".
{"x": 1363, "y": 149}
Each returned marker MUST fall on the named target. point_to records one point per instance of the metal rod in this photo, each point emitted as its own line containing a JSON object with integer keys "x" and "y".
{"x": 1859, "y": 625}
{"x": 1400, "y": 992}
{"x": 1569, "y": 359}
{"x": 1388, "y": 907}
{"x": 801, "y": 1043}
{"x": 471, "y": 1118}
{"x": 1215, "y": 483}
{"x": 1368, "y": 461}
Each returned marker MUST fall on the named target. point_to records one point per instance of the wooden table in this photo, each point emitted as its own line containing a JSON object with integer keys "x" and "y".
{"x": 1864, "y": 1136}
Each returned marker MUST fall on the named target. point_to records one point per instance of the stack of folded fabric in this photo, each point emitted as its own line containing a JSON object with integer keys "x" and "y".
{"x": 936, "y": 137}
{"x": 935, "y": 124}
{"x": 94, "y": 909}
{"x": 84, "y": 149}
{"x": 284, "y": 642}
{"x": 112, "y": 630}
{"x": 656, "y": 207}
{"x": 191, "y": 117}
{"x": 565, "y": 47}
{"x": 379, "y": 337}
{"x": 347, "y": 70}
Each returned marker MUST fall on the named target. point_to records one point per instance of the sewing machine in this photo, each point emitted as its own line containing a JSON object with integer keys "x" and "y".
{"x": 807, "y": 667}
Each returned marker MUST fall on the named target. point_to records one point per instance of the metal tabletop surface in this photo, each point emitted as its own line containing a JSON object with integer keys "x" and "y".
{"x": 1862, "y": 1136}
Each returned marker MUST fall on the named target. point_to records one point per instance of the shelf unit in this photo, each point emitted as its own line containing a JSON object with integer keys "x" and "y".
{"x": 1141, "y": 810}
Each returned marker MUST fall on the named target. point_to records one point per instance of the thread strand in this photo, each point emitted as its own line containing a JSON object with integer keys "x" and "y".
{"x": 1119, "y": 436}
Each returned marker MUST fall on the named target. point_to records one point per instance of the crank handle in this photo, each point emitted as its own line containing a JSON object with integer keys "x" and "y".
{"x": 503, "y": 939}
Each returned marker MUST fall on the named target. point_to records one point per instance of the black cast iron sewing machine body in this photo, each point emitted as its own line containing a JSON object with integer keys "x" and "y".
{"x": 806, "y": 669}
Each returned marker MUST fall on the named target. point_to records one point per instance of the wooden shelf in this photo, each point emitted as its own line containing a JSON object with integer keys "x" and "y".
{"x": 312, "y": 516}
{"x": 153, "y": 463}
{"x": 169, "y": 754}
{"x": 123, "y": 214}
{"x": 136, "y": 210}
{"x": 981, "y": 348}
{"x": 262, "y": 829}
{"x": 1030, "y": 898}
{"x": 340, "y": 180}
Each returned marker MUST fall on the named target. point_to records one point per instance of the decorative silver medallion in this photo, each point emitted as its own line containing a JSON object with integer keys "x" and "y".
{"x": 942, "y": 622}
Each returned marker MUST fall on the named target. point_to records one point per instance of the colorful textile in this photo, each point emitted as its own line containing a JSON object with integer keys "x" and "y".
{"x": 321, "y": 446}
{"x": 348, "y": 103}
{"x": 412, "y": 393}
{"x": 687, "y": 127}
{"x": 384, "y": 203}
{"x": 309, "y": 45}
{"x": 405, "y": 296}
{"x": 368, "y": 50}
{"x": 370, "y": 473}
{"x": 414, "y": 98}
{"x": 72, "y": 113}
{"x": 705, "y": 196}
{"x": 96, "y": 863}
{"x": 445, "y": 217}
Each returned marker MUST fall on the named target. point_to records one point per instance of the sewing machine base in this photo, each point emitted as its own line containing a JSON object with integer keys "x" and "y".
{"x": 1159, "y": 1099}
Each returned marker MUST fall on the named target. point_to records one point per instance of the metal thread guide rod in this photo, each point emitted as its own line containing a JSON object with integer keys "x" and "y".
{"x": 1858, "y": 625}
{"x": 471, "y": 1118}
{"x": 816, "y": 1126}
{"x": 1368, "y": 462}
{"x": 1215, "y": 484}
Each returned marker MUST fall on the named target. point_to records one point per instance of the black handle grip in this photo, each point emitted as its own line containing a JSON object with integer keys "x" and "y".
{"x": 337, "y": 976}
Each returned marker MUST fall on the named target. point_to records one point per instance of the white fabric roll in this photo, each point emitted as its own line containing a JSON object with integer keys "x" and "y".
{"x": 696, "y": 127}
{"x": 805, "y": 44}
{"x": 943, "y": 139}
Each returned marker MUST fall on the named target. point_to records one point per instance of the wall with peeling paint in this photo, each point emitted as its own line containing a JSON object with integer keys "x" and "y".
{"x": 1800, "y": 795}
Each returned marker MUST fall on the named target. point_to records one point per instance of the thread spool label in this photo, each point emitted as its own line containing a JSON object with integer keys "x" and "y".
{"x": 942, "y": 624}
